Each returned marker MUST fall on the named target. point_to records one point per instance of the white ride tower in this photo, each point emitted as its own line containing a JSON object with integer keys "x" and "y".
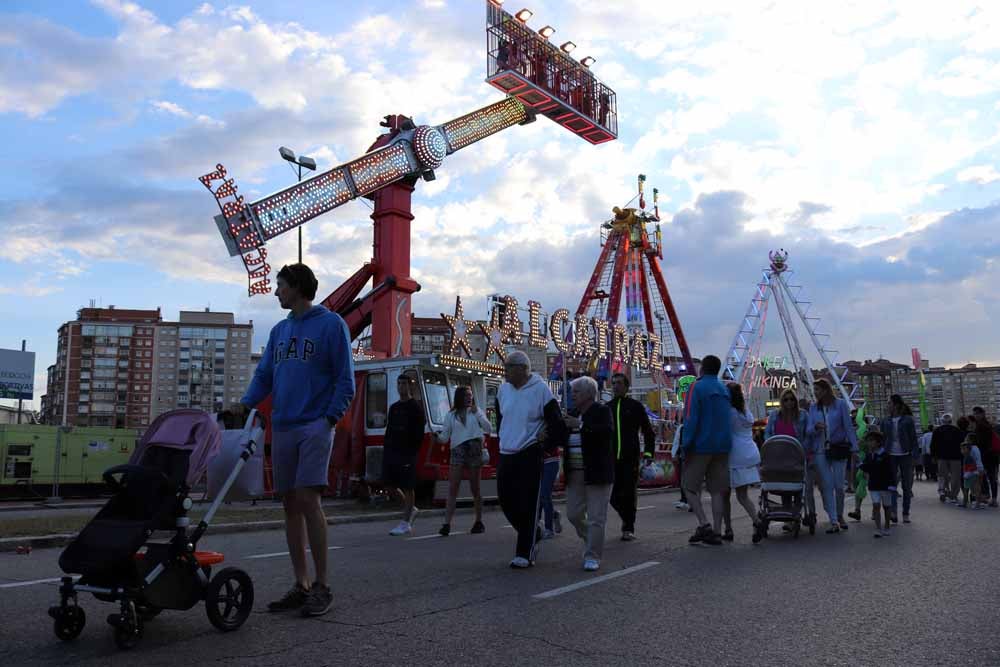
{"x": 742, "y": 363}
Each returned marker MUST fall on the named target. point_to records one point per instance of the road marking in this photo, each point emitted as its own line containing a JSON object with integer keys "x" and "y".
{"x": 596, "y": 580}
{"x": 281, "y": 553}
{"x": 508, "y": 526}
{"x": 647, "y": 507}
{"x": 431, "y": 537}
{"x": 18, "y": 584}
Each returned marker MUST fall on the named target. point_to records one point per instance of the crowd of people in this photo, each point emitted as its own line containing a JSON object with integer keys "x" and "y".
{"x": 307, "y": 369}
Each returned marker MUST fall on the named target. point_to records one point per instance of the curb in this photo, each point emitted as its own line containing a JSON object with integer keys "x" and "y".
{"x": 10, "y": 544}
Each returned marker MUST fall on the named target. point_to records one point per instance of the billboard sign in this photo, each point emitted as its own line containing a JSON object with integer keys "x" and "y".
{"x": 17, "y": 374}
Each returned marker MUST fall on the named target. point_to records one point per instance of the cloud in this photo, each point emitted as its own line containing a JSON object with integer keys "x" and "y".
{"x": 981, "y": 174}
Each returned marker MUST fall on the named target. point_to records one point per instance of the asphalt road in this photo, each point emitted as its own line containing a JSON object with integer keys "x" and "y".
{"x": 925, "y": 596}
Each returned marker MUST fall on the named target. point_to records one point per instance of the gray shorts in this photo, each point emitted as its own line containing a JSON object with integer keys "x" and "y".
{"x": 300, "y": 457}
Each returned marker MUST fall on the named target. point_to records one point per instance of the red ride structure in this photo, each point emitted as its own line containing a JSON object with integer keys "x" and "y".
{"x": 551, "y": 84}
{"x": 629, "y": 266}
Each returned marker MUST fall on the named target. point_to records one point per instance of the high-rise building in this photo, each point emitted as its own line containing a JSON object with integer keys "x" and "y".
{"x": 104, "y": 368}
{"x": 202, "y": 361}
{"x": 122, "y": 368}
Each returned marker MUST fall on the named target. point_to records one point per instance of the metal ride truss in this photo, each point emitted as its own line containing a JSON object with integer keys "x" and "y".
{"x": 743, "y": 361}
{"x": 629, "y": 265}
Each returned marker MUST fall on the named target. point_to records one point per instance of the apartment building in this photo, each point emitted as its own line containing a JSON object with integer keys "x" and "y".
{"x": 124, "y": 367}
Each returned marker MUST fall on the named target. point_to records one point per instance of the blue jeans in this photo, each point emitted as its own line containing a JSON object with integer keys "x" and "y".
{"x": 550, "y": 471}
{"x": 832, "y": 475}
{"x": 903, "y": 466}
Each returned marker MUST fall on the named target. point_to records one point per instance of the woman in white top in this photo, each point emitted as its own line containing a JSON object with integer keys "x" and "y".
{"x": 465, "y": 426}
{"x": 744, "y": 461}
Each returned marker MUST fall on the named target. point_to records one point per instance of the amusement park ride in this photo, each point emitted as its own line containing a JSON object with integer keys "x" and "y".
{"x": 538, "y": 78}
{"x": 743, "y": 362}
{"x": 629, "y": 264}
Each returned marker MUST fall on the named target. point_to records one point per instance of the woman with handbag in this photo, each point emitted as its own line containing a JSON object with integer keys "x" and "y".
{"x": 835, "y": 441}
{"x": 466, "y": 427}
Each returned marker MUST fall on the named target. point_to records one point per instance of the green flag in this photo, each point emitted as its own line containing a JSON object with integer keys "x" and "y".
{"x": 925, "y": 413}
{"x": 859, "y": 420}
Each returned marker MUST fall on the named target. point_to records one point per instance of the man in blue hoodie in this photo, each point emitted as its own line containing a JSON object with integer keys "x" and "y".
{"x": 308, "y": 370}
{"x": 707, "y": 439}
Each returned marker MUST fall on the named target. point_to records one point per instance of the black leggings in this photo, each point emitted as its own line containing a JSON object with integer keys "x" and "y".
{"x": 990, "y": 463}
{"x": 519, "y": 482}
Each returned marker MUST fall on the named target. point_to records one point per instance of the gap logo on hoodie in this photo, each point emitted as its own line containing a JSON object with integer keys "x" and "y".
{"x": 307, "y": 368}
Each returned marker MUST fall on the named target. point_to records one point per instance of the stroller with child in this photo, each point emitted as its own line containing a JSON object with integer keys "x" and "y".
{"x": 784, "y": 484}
{"x": 119, "y": 561}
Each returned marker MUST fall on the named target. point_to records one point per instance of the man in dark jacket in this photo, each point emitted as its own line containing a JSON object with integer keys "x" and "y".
{"x": 404, "y": 433}
{"x": 590, "y": 469}
{"x": 630, "y": 418}
{"x": 991, "y": 459}
{"x": 946, "y": 449}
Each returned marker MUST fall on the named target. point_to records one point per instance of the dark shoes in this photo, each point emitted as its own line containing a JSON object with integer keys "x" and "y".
{"x": 445, "y": 530}
{"x": 628, "y": 536}
{"x": 856, "y": 515}
{"x": 728, "y": 536}
{"x": 293, "y": 599}
{"x": 705, "y": 534}
{"x": 318, "y": 600}
{"x": 477, "y": 528}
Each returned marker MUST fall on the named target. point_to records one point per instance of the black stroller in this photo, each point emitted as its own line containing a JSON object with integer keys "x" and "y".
{"x": 113, "y": 553}
{"x": 784, "y": 474}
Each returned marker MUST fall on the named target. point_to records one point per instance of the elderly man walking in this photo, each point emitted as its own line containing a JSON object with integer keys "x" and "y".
{"x": 707, "y": 439}
{"x": 946, "y": 449}
{"x": 530, "y": 423}
{"x": 590, "y": 469}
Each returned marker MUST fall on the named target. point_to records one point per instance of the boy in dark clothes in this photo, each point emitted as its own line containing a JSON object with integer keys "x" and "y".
{"x": 881, "y": 474}
{"x": 404, "y": 433}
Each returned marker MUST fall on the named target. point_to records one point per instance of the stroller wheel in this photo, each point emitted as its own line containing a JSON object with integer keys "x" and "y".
{"x": 127, "y": 625}
{"x": 229, "y": 599}
{"x": 69, "y": 622}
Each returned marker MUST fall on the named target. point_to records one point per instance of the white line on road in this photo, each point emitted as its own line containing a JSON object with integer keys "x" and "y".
{"x": 281, "y": 553}
{"x": 647, "y": 507}
{"x": 18, "y": 584}
{"x": 431, "y": 537}
{"x": 596, "y": 580}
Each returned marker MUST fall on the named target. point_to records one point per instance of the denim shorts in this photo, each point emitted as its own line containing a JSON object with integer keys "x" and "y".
{"x": 300, "y": 457}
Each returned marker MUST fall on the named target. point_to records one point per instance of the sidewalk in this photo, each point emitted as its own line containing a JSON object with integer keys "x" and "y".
{"x": 52, "y": 526}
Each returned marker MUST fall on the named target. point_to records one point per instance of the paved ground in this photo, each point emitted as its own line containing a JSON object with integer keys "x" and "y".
{"x": 926, "y": 596}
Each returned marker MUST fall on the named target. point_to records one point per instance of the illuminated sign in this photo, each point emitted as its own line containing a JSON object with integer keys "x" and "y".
{"x": 580, "y": 338}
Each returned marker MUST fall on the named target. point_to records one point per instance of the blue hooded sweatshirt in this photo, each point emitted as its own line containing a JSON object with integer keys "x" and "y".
{"x": 706, "y": 426}
{"x": 307, "y": 367}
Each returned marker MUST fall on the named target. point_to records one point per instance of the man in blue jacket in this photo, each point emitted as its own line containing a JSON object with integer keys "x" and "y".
{"x": 308, "y": 369}
{"x": 707, "y": 439}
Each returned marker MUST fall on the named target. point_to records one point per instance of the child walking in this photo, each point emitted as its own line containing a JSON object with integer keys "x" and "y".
{"x": 881, "y": 481}
{"x": 972, "y": 472}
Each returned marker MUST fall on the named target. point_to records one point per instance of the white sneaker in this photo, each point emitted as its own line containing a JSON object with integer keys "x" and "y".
{"x": 520, "y": 563}
{"x": 404, "y": 528}
{"x": 681, "y": 505}
{"x": 591, "y": 565}
{"x": 885, "y": 532}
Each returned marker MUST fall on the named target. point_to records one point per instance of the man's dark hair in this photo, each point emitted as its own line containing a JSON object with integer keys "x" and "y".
{"x": 978, "y": 409}
{"x": 711, "y": 365}
{"x": 301, "y": 278}
{"x": 900, "y": 404}
{"x": 875, "y": 435}
{"x": 624, "y": 378}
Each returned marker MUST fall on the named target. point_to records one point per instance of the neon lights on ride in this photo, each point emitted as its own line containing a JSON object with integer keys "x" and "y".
{"x": 429, "y": 146}
{"x": 524, "y": 15}
{"x": 380, "y": 168}
{"x": 556, "y": 331}
{"x": 460, "y": 329}
{"x": 536, "y": 337}
{"x": 470, "y": 128}
{"x": 547, "y": 31}
{"x": 301, "y": 202}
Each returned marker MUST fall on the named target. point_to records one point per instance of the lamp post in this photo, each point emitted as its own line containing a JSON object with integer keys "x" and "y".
{"x": 288, "y": 155}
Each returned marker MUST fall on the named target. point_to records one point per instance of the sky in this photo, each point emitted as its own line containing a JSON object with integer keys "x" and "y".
{"x": 862, "y": 137}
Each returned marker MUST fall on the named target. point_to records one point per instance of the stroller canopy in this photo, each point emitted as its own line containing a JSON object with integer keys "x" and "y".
{"x": 185, "y": 429}
{"x": 782, "y": 459}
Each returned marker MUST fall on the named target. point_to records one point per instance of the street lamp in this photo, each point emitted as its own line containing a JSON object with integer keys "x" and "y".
{"x": 288, "y": 155}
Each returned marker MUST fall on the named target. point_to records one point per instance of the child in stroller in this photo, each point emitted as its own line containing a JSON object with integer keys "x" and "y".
{"x": 783, "y": 473}
{"x": 113, "y": 553}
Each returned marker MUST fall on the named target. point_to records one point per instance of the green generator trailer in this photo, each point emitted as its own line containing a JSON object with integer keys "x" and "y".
{"x": 43, "y": 461}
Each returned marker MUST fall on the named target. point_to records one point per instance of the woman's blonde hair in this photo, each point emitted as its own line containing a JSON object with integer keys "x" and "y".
{"x": 781, "y": 405}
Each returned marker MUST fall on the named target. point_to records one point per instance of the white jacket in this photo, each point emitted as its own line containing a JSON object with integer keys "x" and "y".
{"x": 522, "y": 413}
{"x": 475, "y": 427}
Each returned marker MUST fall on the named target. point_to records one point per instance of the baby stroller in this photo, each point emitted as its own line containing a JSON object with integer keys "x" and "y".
{"x": 118, "y": 562}
{"x": 784, "y": 482}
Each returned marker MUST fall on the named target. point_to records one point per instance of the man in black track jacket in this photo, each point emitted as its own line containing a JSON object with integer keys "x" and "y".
{"x": 630, "y": 418}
